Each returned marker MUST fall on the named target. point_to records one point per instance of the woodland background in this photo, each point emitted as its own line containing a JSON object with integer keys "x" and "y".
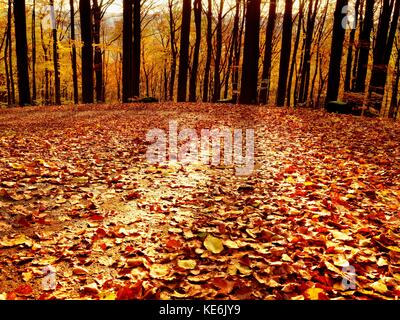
{"x": 295, "y": 53}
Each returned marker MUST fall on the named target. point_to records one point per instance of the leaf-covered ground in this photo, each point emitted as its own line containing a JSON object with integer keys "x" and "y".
{"x": 77, "y": 193}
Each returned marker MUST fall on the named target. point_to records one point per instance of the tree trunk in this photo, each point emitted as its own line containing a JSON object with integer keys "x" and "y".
{"x": 294, "y": 55}
{"x": 236, "y": 60}
{"x": 234, "y": 40}
{"x": 73, "y": 54}
{"x": 209, "y": 53}
{"x": 364, "y": 45}
{"x": 33, "y": 39}
{"x": 383, "y": 51}
{"x": 136, "y": 47}
{"x": 174, "y": 51}
{"x": 349, "y": 61}
{"x": 336, "y": 53}
{"x": 394, "y": 103}
{"x": 184, "y": 51}
{"x": 195, "y": 65}
{"x": 248, "y": 90}
{"x": 285, "y": 53}
{"x": 46, "y": 70}
{"x": 22, "y": 52}
{"x": 306, "y": 63}
{"x": 98, "y": 55}
{"x": 127, "y": 52}
{"x": 55, "y": 55}
{"x": 218, "y": 53}
{"x": 87, "y": 51}
{"x": 269, "y": 35}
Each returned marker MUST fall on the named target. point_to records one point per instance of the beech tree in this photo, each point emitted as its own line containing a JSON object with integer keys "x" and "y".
{"x": 22, "y": 50}
{"x": 285, "y": 53}
{"x": 87, "y": 51}
{"x": 248, "y": 90}
{"x": 184, "y": 51}
{"x": 336, "y": 52}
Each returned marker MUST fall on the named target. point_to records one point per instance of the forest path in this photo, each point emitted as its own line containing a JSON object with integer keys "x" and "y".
{"x": 77, "y": 193}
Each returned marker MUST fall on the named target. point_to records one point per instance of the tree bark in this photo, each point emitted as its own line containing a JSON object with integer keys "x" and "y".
{"x": 136, "y": 47}
{"x": 73, "y": 53}
{"x": 98, "y": 55}
{"x": 248, "y": 90}
{"x": 285, "y": 53}
{"x": 364, "y": 45}
{"x": 269, "y": 35}
{"x": 33, "y": 39}
{"x": 174, "y": 51}
{"x": 195, "y": 65}
{"x": 87, "y": 51}
{"x": 209, "y": 53}
{"x": 383, "y": 50}
{"x": 336, "y": 53}
{"x": 218, "y": 53}
{"x": 55, "y": 55}
{"x": 127, "y": 52}
{"x": 22, "y": 52}
{"x": 184, "y": 51}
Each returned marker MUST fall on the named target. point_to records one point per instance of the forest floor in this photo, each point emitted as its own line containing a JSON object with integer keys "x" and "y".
{"x": 77, "y": 194}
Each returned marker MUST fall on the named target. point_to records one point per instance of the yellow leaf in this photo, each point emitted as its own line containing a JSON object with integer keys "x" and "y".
{"x": 340, "y": 235}
{"x": 379, "y": 286}
{"x": 290, "y": 180}
{"x": 231, "y": 244}
{"x": 107, "y": 295}
{"x": 213, "y": 244}
{"x": 27, "y": 276}
{"x": 245, "y": 270}
{"x": 187, "y": 264}
{"x": 20, "y": 239}
{"x": 159, "y": 270}
{"x": 313, "y": 293}
{"x": 232, "y": 270}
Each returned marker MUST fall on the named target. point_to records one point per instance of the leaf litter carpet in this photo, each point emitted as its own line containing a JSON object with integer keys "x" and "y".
{"x": 77, "y": 194}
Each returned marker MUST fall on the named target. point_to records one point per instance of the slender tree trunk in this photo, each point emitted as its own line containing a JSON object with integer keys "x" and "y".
{"x": 382, "y": 52}
{"x": 251, "y": 52}
{"x": 55, "y": 55}
{"x": 394, "y": 103}
{"x": 46, "y": 70}
{"x": 10, "y": 52}
{"x": 269, "y": 35}
{"x": 184, "y": 51}
{"x": 209, "y": 53}
{"x": 336, "y": 52}
{"x": 136, "y": 47}
{"x": 73, "y": 54}
{"x": 364, "y": 47}
{"x": 127, "y": 52}
{"x": 98, "y": 55}
{"x": 294, "y": 55}
{"x": 218, "y": 53}
{"x": 22, "y": 52}
{"x": 174, "y": 51}
{"x": 285, "y": 53}
{"x": 236, "y": 60}
{"x": 197, "y": 8}
{"x": 234, "y": 40}
{"x": 349, "y": 61}
{"x": 87, "y": 51}
{"x": 6, "y": 61}
{"x": 33, "y": 39}
{"x": 306, "y": 63}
